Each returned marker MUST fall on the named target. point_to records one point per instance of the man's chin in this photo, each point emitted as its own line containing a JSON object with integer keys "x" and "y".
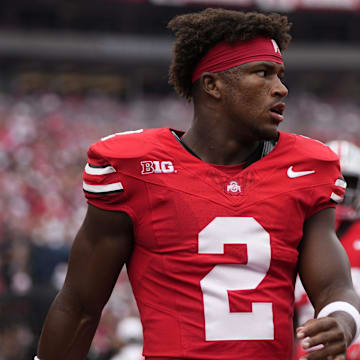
{"x": 267, "y": 134}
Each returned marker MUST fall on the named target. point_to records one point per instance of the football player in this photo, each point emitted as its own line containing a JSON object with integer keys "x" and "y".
{"x": 213, "y": 223}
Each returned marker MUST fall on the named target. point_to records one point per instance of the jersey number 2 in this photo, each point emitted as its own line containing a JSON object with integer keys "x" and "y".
{"x": 220, "y": 323}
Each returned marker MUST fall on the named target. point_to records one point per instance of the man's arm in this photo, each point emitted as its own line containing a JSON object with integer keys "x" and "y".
{"x": 325, "y": 273}
{"x": 101, "y": 247}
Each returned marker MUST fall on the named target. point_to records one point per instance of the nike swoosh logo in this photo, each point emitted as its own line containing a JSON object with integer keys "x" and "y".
{"x": 295, "y": 174}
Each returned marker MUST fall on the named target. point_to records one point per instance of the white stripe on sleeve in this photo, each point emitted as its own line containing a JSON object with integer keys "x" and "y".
{"x": 103, "y": 188}
{"x": 99, "y": 171}
{"x": 336, "y": 198}
{"x": 341, "y": 183}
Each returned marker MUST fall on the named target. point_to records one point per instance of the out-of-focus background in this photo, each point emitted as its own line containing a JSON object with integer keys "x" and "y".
{"x": 74, "y": 71}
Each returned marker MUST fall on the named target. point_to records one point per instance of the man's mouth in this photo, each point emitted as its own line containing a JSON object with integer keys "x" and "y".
{"x": 278, "y": 108}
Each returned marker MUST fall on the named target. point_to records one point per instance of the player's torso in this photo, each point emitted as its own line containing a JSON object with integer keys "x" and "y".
{"x": 215, "y": 253}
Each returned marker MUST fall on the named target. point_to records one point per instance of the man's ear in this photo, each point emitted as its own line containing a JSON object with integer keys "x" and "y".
{"x": 211, "y": 84}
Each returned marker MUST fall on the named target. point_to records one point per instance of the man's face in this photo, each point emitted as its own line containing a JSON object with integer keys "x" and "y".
{"x": 253, "y": 96}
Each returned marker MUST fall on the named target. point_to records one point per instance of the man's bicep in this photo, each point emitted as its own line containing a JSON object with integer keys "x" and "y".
{"x": 323, "y": 264}
{"x": 101, "y": 247}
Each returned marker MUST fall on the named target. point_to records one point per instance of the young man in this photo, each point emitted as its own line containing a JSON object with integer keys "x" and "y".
{"x": 348, "y": 231}
{"x": 213, "y": 223}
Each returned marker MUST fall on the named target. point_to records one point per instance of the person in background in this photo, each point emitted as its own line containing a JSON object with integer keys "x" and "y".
{"x": 348, "y": 231}
{"x": 129, "y": 333}
{"x": 213, "y": 222}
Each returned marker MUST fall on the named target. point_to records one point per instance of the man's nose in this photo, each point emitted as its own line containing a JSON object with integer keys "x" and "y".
{"x": 280, "y": 90}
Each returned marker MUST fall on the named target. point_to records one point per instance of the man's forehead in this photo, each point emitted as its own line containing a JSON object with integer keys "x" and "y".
{"x": 265, "y": 63}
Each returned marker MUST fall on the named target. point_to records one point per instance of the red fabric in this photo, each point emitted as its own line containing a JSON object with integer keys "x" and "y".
{"x": 171, "y": 209}
{"x": 224, "y": 55}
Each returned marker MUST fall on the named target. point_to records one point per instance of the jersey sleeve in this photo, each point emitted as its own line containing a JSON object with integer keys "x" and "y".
{"x": 103, "y": 185}
{"x": 327, "y": 186}
{"x": 332, "y": 189}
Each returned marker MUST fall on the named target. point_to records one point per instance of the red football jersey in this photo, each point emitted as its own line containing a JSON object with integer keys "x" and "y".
{"x": 214, "y": 260}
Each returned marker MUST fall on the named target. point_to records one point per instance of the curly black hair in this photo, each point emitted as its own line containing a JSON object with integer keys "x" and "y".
{"x": 197, "y": 33}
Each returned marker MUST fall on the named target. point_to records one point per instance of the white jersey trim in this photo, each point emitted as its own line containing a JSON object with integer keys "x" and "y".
{"x": 341, "y": 183}
{"x": 103, "y": 188}
{"x": 99, "y": 171}
{"x": 336, "y": 198}
{"x": 122, "y": 133}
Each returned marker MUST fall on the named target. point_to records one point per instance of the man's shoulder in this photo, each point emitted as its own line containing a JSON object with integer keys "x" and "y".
{"x": 127, "y": 144}
{"x": 309, "y": 148}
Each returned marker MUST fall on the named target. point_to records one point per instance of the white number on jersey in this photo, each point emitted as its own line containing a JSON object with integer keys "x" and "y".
{"x": 220, "y": 323}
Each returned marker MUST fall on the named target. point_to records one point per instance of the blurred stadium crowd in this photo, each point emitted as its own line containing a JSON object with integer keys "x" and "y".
{"x": 45, "y": 134}
{"x": 43, "y": 144}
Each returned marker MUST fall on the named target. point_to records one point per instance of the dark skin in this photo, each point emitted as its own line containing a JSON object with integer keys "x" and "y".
{"x": 325, "y": 272}
{"x": 231, "y": 117}
{"x": 100, "y": 249}
{"x": 227, "y": 127}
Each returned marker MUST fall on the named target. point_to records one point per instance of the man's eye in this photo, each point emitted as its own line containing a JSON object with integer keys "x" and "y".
{"x": 261, "y": 73}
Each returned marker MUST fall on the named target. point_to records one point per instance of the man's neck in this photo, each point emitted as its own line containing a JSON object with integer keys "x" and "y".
{"x": 218, "y": 147}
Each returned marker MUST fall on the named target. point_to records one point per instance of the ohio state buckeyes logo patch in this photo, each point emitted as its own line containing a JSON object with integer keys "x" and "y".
{"x": 233, "y": 188}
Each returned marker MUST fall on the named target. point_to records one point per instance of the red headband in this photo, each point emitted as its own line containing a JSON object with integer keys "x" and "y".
{"x": 224, "y": 55}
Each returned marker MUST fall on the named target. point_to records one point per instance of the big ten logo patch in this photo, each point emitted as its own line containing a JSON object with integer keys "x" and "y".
{"x": 157, "y": 167}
